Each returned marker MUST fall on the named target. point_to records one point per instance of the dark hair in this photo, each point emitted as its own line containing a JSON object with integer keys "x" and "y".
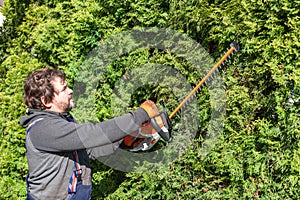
{"x": 38, "y": 84}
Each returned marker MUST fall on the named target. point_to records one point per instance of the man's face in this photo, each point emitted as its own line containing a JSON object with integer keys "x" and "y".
{"x": 62, "y": 100}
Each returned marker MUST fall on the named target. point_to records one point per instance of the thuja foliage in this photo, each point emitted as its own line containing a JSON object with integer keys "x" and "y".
{"x": 257, "y": 155}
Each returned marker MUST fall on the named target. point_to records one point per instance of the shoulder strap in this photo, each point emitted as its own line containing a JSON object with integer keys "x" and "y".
{"x": 76, "y": 175}
{"x": 32, "y": 124}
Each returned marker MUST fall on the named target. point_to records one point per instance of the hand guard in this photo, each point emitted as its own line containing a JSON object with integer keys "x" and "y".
{"x": 150, "y": 107}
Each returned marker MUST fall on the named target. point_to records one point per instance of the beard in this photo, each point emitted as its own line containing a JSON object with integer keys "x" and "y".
{"x": 70, "y": 106}
{"x": 66, "y": 106}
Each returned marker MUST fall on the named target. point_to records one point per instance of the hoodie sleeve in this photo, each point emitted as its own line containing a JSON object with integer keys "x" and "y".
{"x": 56, "y": 134}
{"x": 105, "y": 150}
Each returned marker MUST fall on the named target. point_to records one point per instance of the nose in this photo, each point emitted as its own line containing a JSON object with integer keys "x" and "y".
{"x": 70, "y": 91}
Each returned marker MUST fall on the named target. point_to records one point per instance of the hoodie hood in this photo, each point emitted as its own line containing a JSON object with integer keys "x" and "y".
{"x": 33, "y": 114}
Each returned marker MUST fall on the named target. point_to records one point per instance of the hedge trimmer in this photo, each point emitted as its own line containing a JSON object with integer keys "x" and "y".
{"x": 234, "y": 47}
{"x": 161, "y": 124}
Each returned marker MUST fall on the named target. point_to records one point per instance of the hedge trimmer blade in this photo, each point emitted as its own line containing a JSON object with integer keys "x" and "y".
{"x": 234, "y": 47}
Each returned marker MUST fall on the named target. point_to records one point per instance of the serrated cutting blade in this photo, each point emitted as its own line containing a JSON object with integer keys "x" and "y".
{"x": 234, "y": 47}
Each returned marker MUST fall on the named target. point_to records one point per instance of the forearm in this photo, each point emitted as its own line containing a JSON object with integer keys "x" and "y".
{"x": 105, "y": 150}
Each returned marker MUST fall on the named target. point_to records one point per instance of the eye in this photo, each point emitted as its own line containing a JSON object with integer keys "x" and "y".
{"x": 64, "y": 87}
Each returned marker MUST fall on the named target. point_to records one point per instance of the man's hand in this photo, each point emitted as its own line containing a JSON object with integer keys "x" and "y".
{"x": 159, "y": 122}
{"x": 152, "y": 110}
{"x": 133, "y": 140}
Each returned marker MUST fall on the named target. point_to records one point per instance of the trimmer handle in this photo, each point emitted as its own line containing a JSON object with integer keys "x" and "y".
{"x": 165, "y": 131}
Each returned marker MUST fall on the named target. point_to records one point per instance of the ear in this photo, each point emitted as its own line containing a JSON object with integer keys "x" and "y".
{"x": 48, "y": 105}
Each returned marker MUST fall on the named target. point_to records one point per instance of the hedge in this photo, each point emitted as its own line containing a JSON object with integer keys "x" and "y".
{"x": 257, "y": 155}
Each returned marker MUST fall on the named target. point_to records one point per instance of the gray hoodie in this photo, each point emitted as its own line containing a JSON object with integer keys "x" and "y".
{"x": 51, "y": 141}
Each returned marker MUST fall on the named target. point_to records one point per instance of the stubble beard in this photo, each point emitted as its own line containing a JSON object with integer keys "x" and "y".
{"x": 70, "y": 106}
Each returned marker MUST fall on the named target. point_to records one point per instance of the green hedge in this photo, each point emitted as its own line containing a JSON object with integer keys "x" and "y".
{"x": 258, "y": 153}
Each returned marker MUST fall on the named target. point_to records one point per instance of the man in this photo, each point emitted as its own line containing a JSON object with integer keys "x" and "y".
{"x": 59, "y": 149}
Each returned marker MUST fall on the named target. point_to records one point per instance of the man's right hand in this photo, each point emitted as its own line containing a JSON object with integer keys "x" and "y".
{"x": 146, "y": 128}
